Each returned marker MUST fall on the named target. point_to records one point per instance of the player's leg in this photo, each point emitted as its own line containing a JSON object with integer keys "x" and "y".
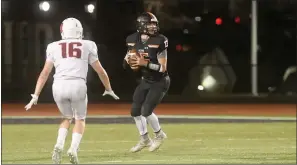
{"x": 154, "y": 97}
{"x": 63, "y": 103}
{"x": 140, "y": 121}
{"x": 79, "y": 102}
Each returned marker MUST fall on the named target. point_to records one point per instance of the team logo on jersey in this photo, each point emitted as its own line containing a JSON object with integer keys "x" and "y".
{"x": 140, "y": 51}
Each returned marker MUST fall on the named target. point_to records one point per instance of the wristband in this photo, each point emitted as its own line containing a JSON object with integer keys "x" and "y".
{"x": 155, "y": 67}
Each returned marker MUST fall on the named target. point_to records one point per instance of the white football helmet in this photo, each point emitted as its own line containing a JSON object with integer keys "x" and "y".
{"x": 71, "y": 28}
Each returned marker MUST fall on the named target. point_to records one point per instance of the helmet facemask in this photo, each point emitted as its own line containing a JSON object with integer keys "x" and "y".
{"x": 147, "y": 23}
{"x": 148, "y": 28}
{"x": 152, "y": 28}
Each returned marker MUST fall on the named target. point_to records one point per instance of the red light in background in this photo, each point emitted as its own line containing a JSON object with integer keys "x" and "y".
{"x": 237, "y": 19}
{"x": 178, "y": 48}
{"x": 219, "y": 21}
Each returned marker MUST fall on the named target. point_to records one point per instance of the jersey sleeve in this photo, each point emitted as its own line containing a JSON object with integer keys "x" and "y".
{"x": 163, "y": 44}
{"x": 162, "y": 53}
{"x": 130, "y": 42}
{"x": 93, "y": 56}
{"x": 49, "y": 54}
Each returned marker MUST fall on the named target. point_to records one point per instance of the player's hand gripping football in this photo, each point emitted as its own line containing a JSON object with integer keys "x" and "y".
{"x": 32, "y": 102}
{"x": 140, "y": 60}
{"x": 111, "y": 93}
{"x": 130, "y": 59}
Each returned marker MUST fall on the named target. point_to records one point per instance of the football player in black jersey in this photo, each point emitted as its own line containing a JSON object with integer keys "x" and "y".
{"x": 155, "y": 82}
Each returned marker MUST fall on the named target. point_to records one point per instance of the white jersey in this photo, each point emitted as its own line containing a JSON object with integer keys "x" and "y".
{"x": 71, "y": 57}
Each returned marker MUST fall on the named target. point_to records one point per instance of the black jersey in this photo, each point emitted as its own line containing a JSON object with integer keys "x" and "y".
{"x": 150, "y": 50}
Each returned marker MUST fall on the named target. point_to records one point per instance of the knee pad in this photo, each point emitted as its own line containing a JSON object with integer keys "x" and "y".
{"x": 146, "y": 110}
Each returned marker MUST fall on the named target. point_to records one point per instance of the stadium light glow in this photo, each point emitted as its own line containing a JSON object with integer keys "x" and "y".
{"x": 44, "y": 6}
{"x": 209, "y": 82}
{"x": 90, "y": 8}
{"x": 186, "y": 31}
{"x": 198, "y": 19}
{"x": 200, "y": 88}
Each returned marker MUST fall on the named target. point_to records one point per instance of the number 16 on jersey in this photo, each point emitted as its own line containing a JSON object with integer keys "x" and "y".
{"x": 71, "y": 49}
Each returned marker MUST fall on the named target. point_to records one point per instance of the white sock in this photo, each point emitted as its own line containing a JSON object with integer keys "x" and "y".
{"x": 62, "y": 134}
{"x": 154, "y": 122}
{"x": 141, "y": 125}
{"x": 76, "y": 138}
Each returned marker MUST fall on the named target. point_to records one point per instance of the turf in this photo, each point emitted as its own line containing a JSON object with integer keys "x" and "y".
{"x": 187, "y": 143}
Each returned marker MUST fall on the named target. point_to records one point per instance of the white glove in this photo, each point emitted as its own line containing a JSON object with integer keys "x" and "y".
{"x": 111, "y": 93}
{"x": 33, "y": 101}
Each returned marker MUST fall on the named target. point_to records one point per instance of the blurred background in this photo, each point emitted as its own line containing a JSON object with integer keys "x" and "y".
{"x": 211, "y": 45}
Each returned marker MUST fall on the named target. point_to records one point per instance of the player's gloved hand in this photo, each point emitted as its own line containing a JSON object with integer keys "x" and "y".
{"x": 32, "y": 102}
{"x": 111, "y": 93}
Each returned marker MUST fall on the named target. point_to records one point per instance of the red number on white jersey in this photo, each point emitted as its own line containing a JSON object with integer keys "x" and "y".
{"x": 74, "y": 49}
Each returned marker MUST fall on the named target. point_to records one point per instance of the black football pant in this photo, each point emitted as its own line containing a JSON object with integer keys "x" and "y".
{"x": 148, "y": 95}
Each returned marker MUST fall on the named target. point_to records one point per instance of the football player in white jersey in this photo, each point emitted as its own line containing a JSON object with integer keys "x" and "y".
{"x": 70, "y": 57}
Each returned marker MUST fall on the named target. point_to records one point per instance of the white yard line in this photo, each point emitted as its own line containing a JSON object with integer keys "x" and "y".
{"x": 144, "y": 160}
{"x": 169, "y": 160}
{"x": 127, "y": 150}
{"x": 181, "y": 140}
{"x": 243, "y": 132}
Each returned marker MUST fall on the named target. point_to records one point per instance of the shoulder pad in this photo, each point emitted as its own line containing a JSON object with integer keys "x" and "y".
{"x": 162, "y": 37}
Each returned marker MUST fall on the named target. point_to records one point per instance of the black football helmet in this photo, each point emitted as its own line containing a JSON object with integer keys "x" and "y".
{"x": 147, "y": 23}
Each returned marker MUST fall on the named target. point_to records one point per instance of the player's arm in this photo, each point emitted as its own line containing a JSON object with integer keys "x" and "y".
{"x": 129, "y": 45}
{"x": 161, "y": 66}
{"x": 47, "y": 69}
{"x": 102, "y": 74}
{"x": 96, "y": 65}
{"x": 162, "y": 59}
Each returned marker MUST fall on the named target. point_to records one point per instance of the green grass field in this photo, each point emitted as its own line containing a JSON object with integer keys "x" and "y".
{"x": 186, "y": 143}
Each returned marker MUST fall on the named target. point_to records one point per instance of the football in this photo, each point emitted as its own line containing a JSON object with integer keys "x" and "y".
{"x": 132, "y": 59}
